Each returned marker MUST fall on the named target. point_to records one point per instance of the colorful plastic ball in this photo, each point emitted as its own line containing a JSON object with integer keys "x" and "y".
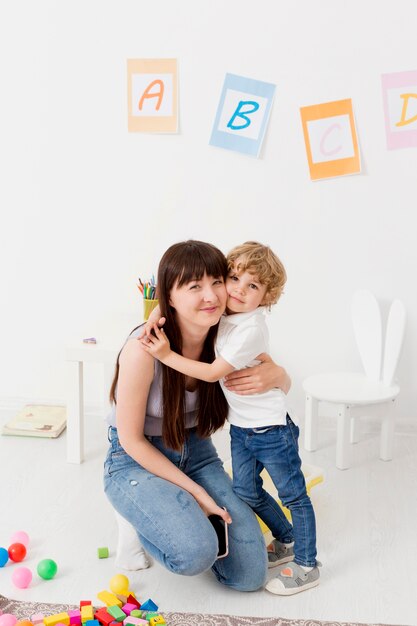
{"x": 17, "y": 552}
{"x": 119, "y": 584}
{"x": 7, "y": 619}
{"x": 4, "y": 557}
{"x": 47, "y": 568}
{"x": 22, "y": 577}
{"x": 20, "y": 536}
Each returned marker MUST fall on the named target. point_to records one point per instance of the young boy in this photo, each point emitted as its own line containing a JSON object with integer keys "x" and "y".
{"x": 262, "y": 433}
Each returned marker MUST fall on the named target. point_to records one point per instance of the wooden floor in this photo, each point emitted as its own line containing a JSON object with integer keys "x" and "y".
{"x": 366, "y": 520}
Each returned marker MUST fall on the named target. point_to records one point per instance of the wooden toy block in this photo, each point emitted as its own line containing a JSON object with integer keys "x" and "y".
{"x": 87, "y": 613}
{"x": 37, "y": 618}
{"x": 85, "y": 603}
{"x": 103, "y": 617}
{"x": 75, "y": 617}
{"x": 150, "y": 614}
{"x": 131, "y": 599}
{"x": 136, "y": 613}
{"x": 110, "y": 599}
{"x": 149, "y": 605}
{"x": 135, "y": 621}
{"x": 102, "y": 553}
{"x": 58, "y": 618}
{"x": 128, "y": 608}
{"x": 158, "y": 619}
{"x": 92, "y": 622}
{"x": 117, "y": 613}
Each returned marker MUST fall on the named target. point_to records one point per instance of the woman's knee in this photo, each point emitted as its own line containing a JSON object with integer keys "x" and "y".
{"x": 190, "y": 558}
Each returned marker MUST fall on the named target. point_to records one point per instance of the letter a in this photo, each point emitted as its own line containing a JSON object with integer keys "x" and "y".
{"x": 403, "y": 121}
{"x": 158, "y": 94}
{"x": 243, "y": 114}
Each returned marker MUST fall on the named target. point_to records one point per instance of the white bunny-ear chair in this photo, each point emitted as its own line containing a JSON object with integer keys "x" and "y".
{"x": 374, "y": 386}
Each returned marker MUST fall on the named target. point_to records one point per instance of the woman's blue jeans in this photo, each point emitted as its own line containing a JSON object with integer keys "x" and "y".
{"x": 276, "y": 450}
{"x": 171, "y": 525}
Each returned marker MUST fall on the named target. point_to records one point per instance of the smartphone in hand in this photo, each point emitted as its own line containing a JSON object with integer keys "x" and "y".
{"x": 220, "y": 527}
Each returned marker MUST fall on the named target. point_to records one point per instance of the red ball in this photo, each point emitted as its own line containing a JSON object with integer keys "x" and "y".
{"x": 17, "y": 552}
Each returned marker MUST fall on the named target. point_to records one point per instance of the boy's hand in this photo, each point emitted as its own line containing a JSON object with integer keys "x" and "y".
{"x": 258, "y": 379}
{"x": 156, "y": 344}
{"x": 154, "y": 318}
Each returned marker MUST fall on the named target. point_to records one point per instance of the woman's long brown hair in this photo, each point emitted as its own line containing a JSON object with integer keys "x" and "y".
{"x": 182, "y": 263}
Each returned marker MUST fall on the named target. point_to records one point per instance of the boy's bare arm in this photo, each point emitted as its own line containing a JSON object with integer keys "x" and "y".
{"x": 158, "y": 346}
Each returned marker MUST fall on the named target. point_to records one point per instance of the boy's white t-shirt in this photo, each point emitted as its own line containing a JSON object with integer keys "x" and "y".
{"x": 240, "y": 338}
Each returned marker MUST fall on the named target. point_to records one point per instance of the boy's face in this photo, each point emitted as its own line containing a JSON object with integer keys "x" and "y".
{"x": 244, "y": 292}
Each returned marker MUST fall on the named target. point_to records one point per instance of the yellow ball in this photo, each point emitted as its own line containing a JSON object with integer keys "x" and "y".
{"x": 119, "y": 584}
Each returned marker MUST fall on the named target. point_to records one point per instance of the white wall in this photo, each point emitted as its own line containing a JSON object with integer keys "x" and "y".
{"x": 86, "y": 207}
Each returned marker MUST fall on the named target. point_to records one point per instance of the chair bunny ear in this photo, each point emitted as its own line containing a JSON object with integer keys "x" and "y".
{"x": 367, "y": 326}
{"x": 393, "y": 340}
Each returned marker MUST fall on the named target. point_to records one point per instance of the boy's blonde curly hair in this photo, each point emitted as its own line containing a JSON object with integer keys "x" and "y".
{"x": 258, "y": 259}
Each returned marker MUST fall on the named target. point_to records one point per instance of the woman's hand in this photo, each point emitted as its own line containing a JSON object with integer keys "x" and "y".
{"x": 258, "y": 379}
{"x": 157, "y": 344}
{"x": 209, "y": 506}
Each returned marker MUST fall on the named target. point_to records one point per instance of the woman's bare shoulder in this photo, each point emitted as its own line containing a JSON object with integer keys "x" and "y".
{"x": 133, "y": 355}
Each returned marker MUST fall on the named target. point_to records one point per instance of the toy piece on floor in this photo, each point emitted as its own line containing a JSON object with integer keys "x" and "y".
{"x": 136, "y": 613}
{"x": 87, "y": 613}
{"x": 131, "y": 599}
{"x": 103, "y": 616}
{"x": 37, "y": 618}
{"x": 103, "y": 553}
{"x": 150, "y": 614}
{"x": 134, "y": 621}
{"x": 74, "y": 616}
{"x": 92, "y": 622}
{"x": 4, "y": 557}
{"x": 158, "y": 619}
{"x": 90, "y": 340}
{"x": 57, "y": 618}
{"x": 20, "y": 536}
{"x": 149, "y": 605}
{"x": 24, "y": 622}
{"x": 47, "y": 569}
{"x": 22, "y": 577}
{"x": 109, "y": 599}
{"x": 120, "y": 584}
{"x": 85, "y": 603}
{"x": 128, "y": 608}
{"x": 7, "y": 619}
{"x": 117, "y": 613}
{"x": 17, "y": 552}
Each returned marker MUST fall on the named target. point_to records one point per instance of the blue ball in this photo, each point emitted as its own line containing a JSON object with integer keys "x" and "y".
{"x": 4, "y": 557}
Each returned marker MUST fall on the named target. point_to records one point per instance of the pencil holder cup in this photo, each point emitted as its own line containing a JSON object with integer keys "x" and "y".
{"x": 148, "y": 307}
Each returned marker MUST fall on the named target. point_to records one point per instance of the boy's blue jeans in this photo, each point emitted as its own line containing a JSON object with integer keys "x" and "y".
{"x": 171, "y": 525}
{"x": 276, "y": 450}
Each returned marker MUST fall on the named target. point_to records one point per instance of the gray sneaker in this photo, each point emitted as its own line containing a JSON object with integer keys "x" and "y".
{"x": 293, "y": 579}
{"x": 279, "y": 553}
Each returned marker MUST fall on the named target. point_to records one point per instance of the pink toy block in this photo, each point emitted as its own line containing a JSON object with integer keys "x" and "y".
{"x": 37, "y": 618}
{"x": 128, "y": 608}
{"x": 135, "y": 621}
{"x": 75, "y": 617}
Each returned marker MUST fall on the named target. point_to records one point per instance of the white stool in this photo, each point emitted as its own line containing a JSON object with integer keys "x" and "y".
{"x": 76, "y": 356}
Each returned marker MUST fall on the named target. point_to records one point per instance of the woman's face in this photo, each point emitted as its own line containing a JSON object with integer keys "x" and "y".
{"x": 199, "y": 303}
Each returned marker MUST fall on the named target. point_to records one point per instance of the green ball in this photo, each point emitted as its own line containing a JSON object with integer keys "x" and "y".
{"x": 47, "y": 569}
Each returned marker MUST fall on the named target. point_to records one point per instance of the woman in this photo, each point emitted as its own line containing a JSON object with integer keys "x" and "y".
{"x": 162, "y": 472}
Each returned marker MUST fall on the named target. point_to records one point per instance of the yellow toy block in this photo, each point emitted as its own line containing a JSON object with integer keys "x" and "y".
{"x": 53, "y": 620}
{"x": 109, "y": 599}
{"x": 158, "y": 619}
{"x": 87, "y": 613}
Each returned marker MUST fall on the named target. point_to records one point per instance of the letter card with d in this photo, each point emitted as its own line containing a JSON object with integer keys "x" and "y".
{"x": 242, "y": 114}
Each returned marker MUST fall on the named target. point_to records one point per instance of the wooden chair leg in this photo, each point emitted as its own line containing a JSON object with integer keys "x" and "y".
{"x": 311, "y": 423}
{"x": 343, "y": 436}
